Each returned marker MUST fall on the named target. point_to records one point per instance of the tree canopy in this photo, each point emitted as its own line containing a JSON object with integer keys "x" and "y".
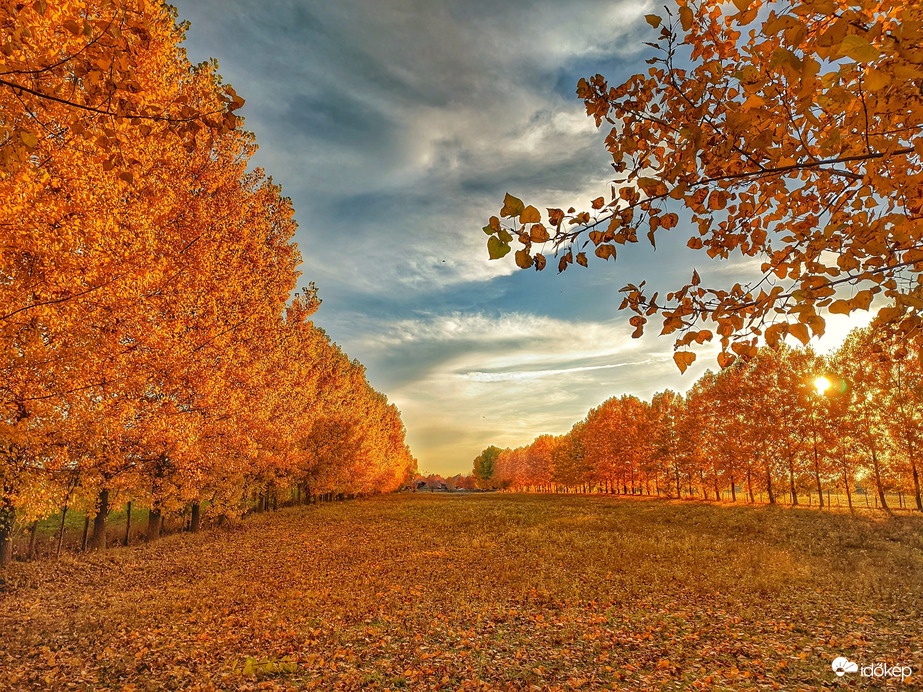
{"x": 791, "y": 132}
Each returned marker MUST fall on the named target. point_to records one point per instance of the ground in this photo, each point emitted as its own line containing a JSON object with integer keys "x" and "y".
{"x": 492, "y": 591}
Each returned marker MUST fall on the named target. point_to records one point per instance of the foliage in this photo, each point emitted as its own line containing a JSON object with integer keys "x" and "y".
{"x": 152, "y": 344}
{"x": 485, "y": 466}
{"x": 791, "y": 133}
{"x": 426, "y": 591}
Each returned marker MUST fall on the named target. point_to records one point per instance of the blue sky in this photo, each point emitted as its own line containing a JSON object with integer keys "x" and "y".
{"x": 396, "y": 127}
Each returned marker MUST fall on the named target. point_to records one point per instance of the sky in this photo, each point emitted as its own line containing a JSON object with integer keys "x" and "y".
{"x": 396, "y": 127}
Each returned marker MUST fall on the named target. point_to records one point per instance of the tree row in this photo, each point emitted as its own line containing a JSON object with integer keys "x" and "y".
{"x": 152, "y": 345}
{"x": 786, "y": 424}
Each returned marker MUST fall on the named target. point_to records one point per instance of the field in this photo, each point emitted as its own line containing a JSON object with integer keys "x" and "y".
{"x": 491, "y": 591}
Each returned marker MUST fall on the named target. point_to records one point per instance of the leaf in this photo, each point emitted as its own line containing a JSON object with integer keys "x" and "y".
{"x": 742, "y": 5}
{"x": 72, "y": 27}
{"x": 512, "y": 206}
{"x": 606, "y": 251}
{"x": 696, "y": 280}
{"x": 859, "y": 49}
{"x": 800, "y": 332}
{"x": 29, "y": 139}
{"x": 530, "y": 215}
{"x": 683, "y": 360}
{"x": 538, "y": 233}
{"x": 685, "y": 18}
{"x": 539, "y": 262}
{"x": 725, "y": 359}
{"x": 127, "y": 177}
{"x": 839, "y": 307}
{"x": 653, "y": 20}
{"x": 581, "y": 259}
{"x": 496, "y": 248}
{"x": 40, "y": 6}
{"x": 488, "y": 230}
{"x": 523, "y": 259}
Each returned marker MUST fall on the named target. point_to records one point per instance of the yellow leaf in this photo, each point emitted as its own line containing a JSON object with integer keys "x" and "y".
{"x": 605, "y": 251}
{"x": 685, "y": 18}
{"x": 29, "y": 139}
{"x": 839, "y": 307}
{"x": 800, "y": 332}
{"x": 683, "y": 359}
{"x": 530, "y": 215}
{"x": 742, "y": 5}
{"x": 523, "y": 259}
{"x": 653, "y": 20}
{"x": 538, "y": 234}
{"x": 859, "y": 49}
{"x": 876, "y": 80}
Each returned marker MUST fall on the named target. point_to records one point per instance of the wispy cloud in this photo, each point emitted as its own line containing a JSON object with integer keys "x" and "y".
{"x": 396, "y": 127}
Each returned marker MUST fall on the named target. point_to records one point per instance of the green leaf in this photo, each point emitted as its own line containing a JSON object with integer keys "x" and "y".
{"x": 496, "y": 248}
{"x": 488, "y": 230}
{"x": 512, "y": 206}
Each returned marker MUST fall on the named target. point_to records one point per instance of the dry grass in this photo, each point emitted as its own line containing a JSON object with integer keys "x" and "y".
{"x": 478, "y": 591}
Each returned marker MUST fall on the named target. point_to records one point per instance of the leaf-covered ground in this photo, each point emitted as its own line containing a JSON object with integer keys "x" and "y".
{"x": 478, "y": 592}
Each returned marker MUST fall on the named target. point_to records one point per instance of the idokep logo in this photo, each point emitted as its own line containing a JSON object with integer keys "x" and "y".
{"x": 842, "y": 665}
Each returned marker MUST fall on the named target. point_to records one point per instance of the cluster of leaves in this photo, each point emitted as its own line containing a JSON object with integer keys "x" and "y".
{"x": 150, "y": 347}
{"x": 493, "y": 591}
{"x": 760, "y": 426}
{"x": 789, "y": 132}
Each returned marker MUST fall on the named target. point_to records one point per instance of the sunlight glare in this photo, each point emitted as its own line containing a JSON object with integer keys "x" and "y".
{"x": 822, "y": 384}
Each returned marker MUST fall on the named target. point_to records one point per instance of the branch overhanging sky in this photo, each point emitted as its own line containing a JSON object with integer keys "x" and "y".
{"x": 396, "y": 127}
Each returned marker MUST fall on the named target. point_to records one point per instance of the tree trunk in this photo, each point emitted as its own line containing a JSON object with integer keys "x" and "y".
{"x": 6, "y": 547}
{"x": 916, "y": 484}
{"x": 820, "y": 491}
{"x": 33, "y": 533}
{"x": 86, "y": 532}
{"x": 61, "y": 532}
{"x": 733, "y": 489}
{"x": 154, "y": 523}
{"x": 878, "y": 485}
{"x": 791, "y": 481}
{"x": 750, "y": 486}
{"x": 7, "y": 520}
{"x": 98, "y": 541}
{"x": 772, "y": 496}
{"x": 128, "y": 522}
{"x": 196, "y": 521}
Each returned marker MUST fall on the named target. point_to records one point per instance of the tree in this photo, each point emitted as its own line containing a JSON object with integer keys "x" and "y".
{"x": 485, "y": 467}
{"x": 788, "y": 133}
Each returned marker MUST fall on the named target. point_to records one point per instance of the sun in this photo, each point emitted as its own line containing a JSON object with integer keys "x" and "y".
{"x": 822, "y": 384}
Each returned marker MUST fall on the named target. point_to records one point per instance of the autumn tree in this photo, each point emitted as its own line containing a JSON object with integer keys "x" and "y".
{"x": 485, "y": 466}
{"x": 787, "y": 133}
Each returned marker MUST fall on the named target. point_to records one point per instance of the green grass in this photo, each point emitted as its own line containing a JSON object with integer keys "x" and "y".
{"x": 429, "y": 591}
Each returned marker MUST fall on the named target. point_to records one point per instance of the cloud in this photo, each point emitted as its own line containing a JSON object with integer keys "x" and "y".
{"x": 396, "y": 127}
